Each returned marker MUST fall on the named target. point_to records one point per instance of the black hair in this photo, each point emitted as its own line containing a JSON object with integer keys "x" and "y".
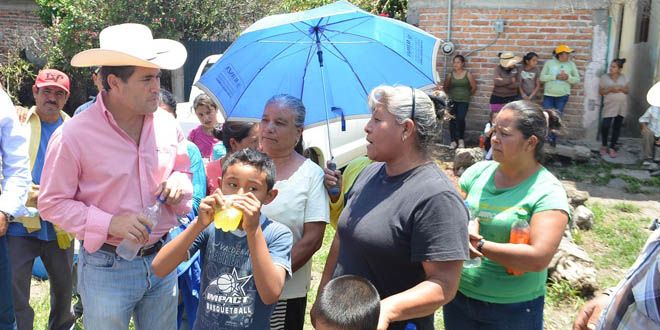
{"x": 122, "y": 72}
{"x": 441, "y": 104}
{"x": 257, "y": 159}
{"x": 529, "y": 56}
{"x": 167, "y": 98}
{"x": 619, "y": 62}
{"x": 460, "y": 57}
{"x": 531, "y": 121}
{"x": 237, "y": 130}
{"x": 348, "y": 302}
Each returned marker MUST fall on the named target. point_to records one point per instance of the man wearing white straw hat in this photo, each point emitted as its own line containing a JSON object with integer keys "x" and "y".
{"x": 109, "y": 163}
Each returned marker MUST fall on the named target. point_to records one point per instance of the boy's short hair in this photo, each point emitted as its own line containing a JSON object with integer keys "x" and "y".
{"x": 348, "y": 302}
{"x": 255, "y": 158}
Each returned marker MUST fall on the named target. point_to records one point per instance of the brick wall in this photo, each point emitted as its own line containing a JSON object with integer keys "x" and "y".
{"x": 538, "y": 30}
{"x": 16, "y": 21}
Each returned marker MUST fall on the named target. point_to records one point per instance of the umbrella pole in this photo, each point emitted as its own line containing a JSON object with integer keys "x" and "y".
{"x": 319, "y": 53}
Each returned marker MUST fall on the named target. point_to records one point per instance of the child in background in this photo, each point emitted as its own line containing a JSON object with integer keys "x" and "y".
{"x": 236, "y": 135}
{"x": 529, "y": 77}
{"x": 488, "y": 132}
{"x": 202, "y": 136}
{"x": 243, "y": 271}
{"x": 219, "y": 149}
{"x": 347, "y": 302}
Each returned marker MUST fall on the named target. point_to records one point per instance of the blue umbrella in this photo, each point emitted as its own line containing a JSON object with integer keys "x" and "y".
{"x": 330, "y": 57}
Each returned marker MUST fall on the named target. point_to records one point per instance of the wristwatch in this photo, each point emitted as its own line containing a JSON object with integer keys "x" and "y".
{"x": 480, "y": 244}
{"x": 9, "y": 217}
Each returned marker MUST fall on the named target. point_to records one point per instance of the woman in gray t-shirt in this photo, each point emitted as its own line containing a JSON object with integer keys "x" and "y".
{"x": 404, "y": 227}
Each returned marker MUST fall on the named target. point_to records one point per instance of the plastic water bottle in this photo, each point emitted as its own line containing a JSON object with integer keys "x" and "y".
{"x": 334, "y": 191}
{"x": 474, "y": 262}
{"x": 520, "y": 233}
{"x": 129, "y": 248}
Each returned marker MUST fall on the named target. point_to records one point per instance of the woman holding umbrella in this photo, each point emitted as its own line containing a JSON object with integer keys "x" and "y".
{"x": 301, "y": 203}
{"x": 404, "y": 226}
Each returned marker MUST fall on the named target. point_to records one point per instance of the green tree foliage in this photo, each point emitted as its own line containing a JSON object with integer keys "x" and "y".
{"x": 391, "y": 8}
{"x": 74, "y": 25}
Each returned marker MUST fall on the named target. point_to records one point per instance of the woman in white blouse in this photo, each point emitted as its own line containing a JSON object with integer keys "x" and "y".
{"x": 301, "y": 203}
{"x": 614, "y": 89}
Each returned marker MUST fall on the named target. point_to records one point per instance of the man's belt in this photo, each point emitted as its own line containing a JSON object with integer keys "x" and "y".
{"x": 143, "y": 251}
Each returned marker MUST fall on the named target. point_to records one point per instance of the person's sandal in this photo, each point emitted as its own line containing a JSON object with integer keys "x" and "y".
{"x": 603, "y": 151}
{"x": 612, "y": 153}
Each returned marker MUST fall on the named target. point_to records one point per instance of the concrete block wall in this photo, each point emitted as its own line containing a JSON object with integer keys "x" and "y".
{"x": 538, "y": 30}
{"x": 17, "y": 20}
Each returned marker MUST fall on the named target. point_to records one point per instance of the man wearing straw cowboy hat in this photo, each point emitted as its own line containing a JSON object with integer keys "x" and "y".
{"x": 109, "y": 163}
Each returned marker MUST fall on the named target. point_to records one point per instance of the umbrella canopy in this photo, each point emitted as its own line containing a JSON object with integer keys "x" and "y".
{"x": 330, "y": 57}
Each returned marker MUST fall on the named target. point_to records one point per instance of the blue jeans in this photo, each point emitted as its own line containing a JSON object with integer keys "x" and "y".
{"x": 464, "y": 313}
{"x": 558, "y": 103}
{"x": 457, "y": 125}
{"x": 7, "y": 320}
{"x": 112, "y": 289}
{"x": 555, "y": 102}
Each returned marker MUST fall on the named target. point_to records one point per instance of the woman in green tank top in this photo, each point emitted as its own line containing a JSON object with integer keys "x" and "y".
{"x": 459, "y": 85}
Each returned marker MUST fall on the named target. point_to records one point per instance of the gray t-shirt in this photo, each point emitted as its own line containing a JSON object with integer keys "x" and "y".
{"x": 528, "y": 79}
{"x": 229, "y": 297}
{"x": 392, "y": 223}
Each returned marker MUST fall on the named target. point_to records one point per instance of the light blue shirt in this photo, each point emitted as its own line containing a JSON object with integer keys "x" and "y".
{"x": 652, "y": 118}
{"x": 15, "y": 163}
{"x": 198, "y": 177}
{"x": 84, "y": 106}
{"x": 47, "y": 231}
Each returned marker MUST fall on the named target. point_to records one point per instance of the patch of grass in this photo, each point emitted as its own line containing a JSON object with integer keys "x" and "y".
{"x": 634, "y": 185}
{"x": 655, "y": 181}
{"x": 602, "y": 179}
{"x": 626, "y": 207}
{"x": 616, "y": 239}
{"x": 577, "y": 236}
{"x": 596, "y": 173}
{"x": 40, "y": 302}
{"x": 624, "y": 236}
{"x": 561, "y": 292}
{"x": 318, "y": 263}
{"x": 598, "y": 210}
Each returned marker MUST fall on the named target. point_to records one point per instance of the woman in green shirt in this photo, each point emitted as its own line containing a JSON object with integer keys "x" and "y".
{"x": 459, "y": 85}
{"x": 489, "y": 296}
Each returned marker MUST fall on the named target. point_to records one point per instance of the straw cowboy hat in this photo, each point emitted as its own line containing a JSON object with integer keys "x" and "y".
{"x": 653, "y": 96}
{"x": 133, "y": 45}
{"x": 509, "y": 59}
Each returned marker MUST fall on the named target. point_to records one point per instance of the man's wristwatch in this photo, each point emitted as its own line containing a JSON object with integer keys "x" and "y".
{"x": 480, "y": 244}
{"x": 9, "y": 217}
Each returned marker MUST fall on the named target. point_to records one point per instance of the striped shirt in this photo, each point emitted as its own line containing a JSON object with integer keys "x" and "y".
{"x": 635, "y": 303}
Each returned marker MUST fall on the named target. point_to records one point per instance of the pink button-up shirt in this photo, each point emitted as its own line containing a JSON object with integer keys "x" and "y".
{"x": 93, "y": 170}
